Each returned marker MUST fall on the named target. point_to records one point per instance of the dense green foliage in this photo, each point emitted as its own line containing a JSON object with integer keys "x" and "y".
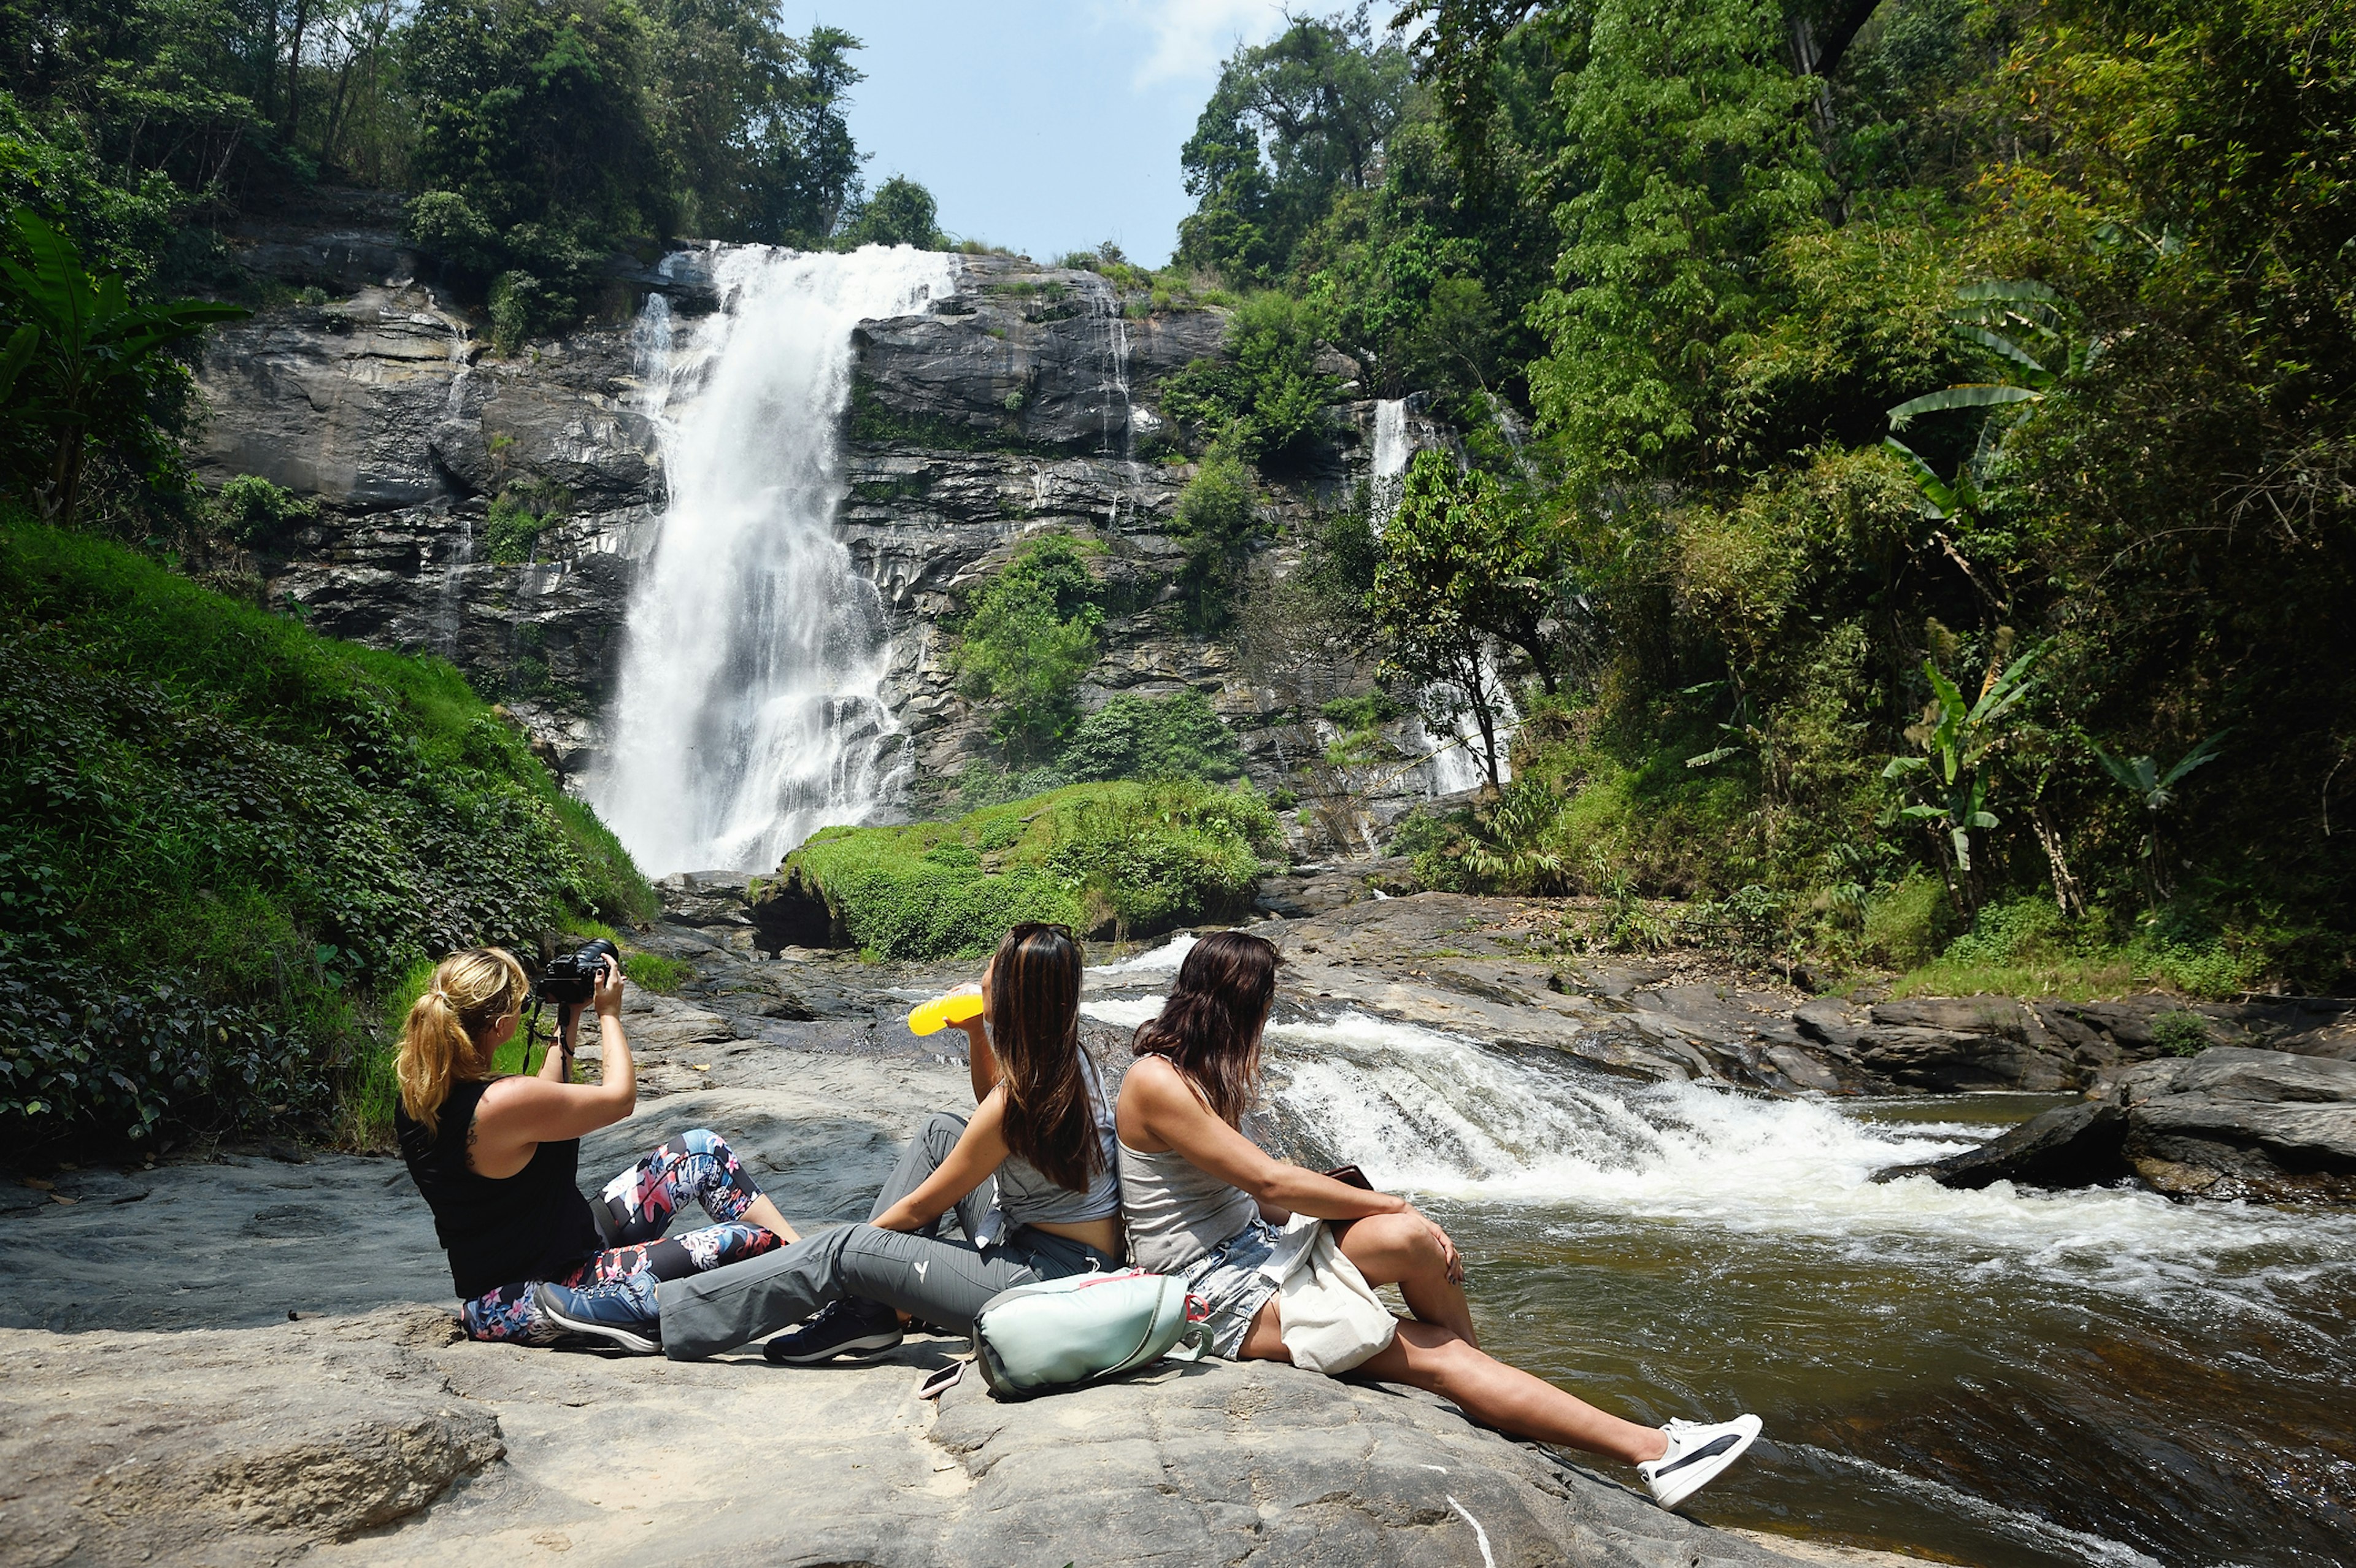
{"x": 549, "y": 133}
{"x": 1676, "y": 270}
{"x": 1127, "y": 859}
{"x": 535, "y": 139}
{"x": 225, "y": 834}
{"x": 1029, "y": 637}
{"x": 83, "y": 373}
{"x": 1175, "y": 737}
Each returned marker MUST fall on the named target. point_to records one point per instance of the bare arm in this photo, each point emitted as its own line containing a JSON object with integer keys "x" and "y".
{"x": 980, "y": 1061}
{"x": 979, "y": 1151}
{"x": 516, "y": 1113}
{"x": 1157, "y": 1101}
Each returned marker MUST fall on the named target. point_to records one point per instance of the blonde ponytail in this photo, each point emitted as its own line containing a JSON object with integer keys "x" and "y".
{"x": 470, "y": 993}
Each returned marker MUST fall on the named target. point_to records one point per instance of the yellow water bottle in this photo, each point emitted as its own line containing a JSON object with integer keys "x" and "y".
{"x": 931, "y": 1017}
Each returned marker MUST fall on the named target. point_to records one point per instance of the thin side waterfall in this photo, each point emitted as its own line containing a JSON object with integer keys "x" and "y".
{"x": 750, "y": 711}
{"x": 1107, "y": 307}
{"x": 1391, "y": 454}
{"x": 1455, "y": 762}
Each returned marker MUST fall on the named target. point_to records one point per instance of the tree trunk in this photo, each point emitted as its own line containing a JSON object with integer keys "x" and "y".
{"x": 1477, "y": 690}
{"x": 294, "y": 69}
{"x": 2065, "y": 886}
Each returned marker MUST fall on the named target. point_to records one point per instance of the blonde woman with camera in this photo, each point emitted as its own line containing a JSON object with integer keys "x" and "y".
{"x": 496, "y": 1158}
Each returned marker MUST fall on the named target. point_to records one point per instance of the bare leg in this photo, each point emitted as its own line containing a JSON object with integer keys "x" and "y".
{"x": 1426, "y": 1356}
{"x": 764, "y": 1213}
{"x": 1399, "y": 1249}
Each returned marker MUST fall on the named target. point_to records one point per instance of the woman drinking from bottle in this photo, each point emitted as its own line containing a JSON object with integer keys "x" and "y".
{"x": 1043, "y": 1128}
{"x": 495, "y": 1158}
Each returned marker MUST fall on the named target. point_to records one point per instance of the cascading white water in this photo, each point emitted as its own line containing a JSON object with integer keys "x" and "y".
{"x": 750, "y": 711}
{"x": 2008, "y": 1375}
{"x": 1455, "y": 765}
{"x": 1426, "y": 1112}
{"x": 1391, "y": 454}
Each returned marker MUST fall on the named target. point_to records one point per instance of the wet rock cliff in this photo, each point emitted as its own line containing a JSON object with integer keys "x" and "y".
{"x": 495, "y": 508}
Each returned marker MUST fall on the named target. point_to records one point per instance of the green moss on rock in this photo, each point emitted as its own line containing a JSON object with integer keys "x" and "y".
{"x": 1107, "y": 858}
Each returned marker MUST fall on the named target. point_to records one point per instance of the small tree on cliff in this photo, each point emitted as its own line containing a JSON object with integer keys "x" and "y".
{"x": 1463, "y": 568}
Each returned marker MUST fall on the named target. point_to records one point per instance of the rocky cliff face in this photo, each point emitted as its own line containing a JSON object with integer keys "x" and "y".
{"x": 1026, "y": 400}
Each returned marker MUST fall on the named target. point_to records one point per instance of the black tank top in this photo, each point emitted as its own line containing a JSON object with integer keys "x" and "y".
{"x": 497, "y": 1229}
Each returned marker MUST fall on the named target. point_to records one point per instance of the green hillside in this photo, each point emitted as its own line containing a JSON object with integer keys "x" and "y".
{"x": 225, "y": 838}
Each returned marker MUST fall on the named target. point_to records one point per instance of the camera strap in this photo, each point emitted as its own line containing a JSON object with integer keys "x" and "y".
{"x": 530, "y": 1033}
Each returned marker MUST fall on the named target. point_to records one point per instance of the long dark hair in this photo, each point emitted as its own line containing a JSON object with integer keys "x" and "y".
{"x": 1034, "y": 1029}
{"x": 1210, "y": 1027}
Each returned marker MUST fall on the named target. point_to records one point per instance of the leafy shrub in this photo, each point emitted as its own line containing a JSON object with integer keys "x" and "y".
{"x": 1029, "y": 638}
{"x": 1175, "y": 737}
{"x": 1213, "y": 522}
{"x": 1902, "y": 926}
{"x": 1266, "y": 390}
{"x": 223, "y": 828}
{"x": 979, "y": 784}
{"x": 255, "y": 513}
{"x": 901, "y": 212}
{"x": 2180, "y": 1033}
{"x": 1129, "y": 859}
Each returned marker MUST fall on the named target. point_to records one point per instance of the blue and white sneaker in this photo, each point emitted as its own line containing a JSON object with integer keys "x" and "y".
{"x": 618, "y": 1322}
{"x": 1697, "y": 1455}
{"x": 850, "y": 1329}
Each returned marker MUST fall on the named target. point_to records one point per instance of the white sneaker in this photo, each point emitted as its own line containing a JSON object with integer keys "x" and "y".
{"x": 1696, "y": 1455}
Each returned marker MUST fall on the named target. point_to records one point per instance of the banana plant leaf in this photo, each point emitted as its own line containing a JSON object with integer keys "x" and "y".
{"x": 1970, "y": 395}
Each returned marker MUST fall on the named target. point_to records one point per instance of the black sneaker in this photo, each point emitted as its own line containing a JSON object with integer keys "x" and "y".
{"x": 849, "y": 1330}
{"x": 609, "y": 1317}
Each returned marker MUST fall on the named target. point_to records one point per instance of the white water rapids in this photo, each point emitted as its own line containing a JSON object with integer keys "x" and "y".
{"x": 749, "y": 712}
{"x": 2007, "y": 1376}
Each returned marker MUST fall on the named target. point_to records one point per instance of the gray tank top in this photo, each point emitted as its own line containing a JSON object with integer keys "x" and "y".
{"x": 1026, "y": 1197}
{"x": 1177, "y": 1210}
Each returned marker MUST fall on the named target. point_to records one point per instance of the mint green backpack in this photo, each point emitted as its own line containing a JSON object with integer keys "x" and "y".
{"x": 1060, "y": 1334}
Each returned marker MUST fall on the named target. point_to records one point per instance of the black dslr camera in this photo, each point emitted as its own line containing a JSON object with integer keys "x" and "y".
{"x": 569, "y": 978}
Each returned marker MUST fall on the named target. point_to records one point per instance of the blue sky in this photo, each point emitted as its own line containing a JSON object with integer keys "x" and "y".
{"x": 1042, "y": 125}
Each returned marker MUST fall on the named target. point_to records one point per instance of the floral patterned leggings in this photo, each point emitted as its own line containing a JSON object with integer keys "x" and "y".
{"x": 631, "y": 1215}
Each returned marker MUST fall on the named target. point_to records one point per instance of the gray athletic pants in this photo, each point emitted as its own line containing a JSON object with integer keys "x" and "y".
{"x": 928, "y": 1275}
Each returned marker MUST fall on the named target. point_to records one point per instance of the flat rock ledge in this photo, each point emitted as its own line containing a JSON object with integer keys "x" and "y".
{"x": 383, "y": 1437}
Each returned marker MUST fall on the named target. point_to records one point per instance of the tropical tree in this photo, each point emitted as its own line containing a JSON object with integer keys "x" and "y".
{"x": 2025, "y": 325}
{"x": 1291, "y": 122}
{"x": 84, "y": 363}
{"x": 1463, "y": 568}
{"x": 2154, "y": 792}
{"x": 1961, "y": 739}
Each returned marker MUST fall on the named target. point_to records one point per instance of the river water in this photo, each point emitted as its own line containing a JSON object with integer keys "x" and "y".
{"x": 1995, "y": 1378}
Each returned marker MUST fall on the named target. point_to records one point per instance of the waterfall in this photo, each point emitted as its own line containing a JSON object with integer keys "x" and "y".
{"x": 1391, "y": 454}
{"x": 1106, "y": 304}
{"x": 750, "y": 711}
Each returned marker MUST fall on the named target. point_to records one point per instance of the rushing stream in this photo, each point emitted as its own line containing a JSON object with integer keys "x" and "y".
{"x": 1994, "y": 1377}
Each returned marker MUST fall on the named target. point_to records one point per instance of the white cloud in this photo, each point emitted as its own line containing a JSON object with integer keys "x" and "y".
{"x": 1187, "y": 39}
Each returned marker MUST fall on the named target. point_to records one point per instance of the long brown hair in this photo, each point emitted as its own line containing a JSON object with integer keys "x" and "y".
{"x": 1034, "y": 1029}
{"x": 471, "y": 992}
{"x": 1210, "y": 1027}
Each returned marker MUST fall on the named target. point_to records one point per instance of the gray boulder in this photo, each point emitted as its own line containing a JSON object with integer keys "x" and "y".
{"x": 2071, "y": 1146}
{"x": 2239, "y": 1122}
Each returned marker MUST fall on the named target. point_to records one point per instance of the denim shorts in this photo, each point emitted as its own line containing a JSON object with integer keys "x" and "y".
{"x": 1229, "y": 1280}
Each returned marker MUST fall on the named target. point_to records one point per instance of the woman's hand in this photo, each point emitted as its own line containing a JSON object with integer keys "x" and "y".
{"x": 979, "y": 1150}
{"x": 607, "y": 998}
{"x": 980, "y": 1061}
{"x": 1447, "y": 1248}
